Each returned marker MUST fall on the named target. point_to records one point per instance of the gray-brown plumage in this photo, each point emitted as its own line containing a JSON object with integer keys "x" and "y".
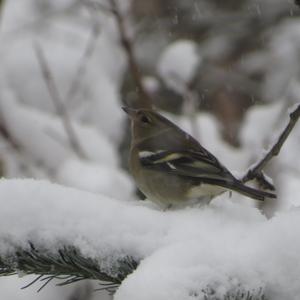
{"x": 171, "y": 167}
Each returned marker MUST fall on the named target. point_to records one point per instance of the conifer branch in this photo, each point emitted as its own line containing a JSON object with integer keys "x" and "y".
{"x": 67, "y": 264}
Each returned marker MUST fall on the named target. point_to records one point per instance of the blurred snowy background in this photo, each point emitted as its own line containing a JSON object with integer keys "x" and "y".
{"x": 227, "y": 71}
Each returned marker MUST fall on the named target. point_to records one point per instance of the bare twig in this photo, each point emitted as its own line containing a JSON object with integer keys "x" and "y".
{"x": 255, "y": 172}
{"x": 7, "y": 136}
{"x": 13, "y": 147}
{"x": 81, "y": 69}
{"x": 57, "y": 101}
{"x": 144, "y": 97}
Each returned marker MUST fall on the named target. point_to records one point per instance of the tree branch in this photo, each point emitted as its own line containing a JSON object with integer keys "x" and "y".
{"x": 144, "y": 97}
{"x": 88, "y": 52}
{"x": 57, "y": 101}
{"x": 69, "y": 266}
{"x": 255, "y": 172}
{"x": 66, "y": 264}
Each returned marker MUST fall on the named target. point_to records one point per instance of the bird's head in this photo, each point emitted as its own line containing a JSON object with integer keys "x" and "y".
{"x": 147, "y": 123}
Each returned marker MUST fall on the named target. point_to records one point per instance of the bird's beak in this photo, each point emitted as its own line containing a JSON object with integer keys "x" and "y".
{"x": 131, "y": 112}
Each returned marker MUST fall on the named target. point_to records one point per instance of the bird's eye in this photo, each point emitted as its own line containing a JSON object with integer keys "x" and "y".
{"x": 144, "y": 119}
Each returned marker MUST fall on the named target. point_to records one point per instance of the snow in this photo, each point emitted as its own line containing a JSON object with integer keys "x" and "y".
{"x": 96, "y": 178}
{"x": 64, "y": 35}
{"x": 151, "y": 84}
{"x": 258, "y": 129}
{"x": 225, "y": 246}
{"x": 46, "y": 139}
{"x": 178, "y": 64}
{"x": 284, "y": 46}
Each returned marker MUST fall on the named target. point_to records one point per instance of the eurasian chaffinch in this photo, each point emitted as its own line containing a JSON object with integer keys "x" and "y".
{"x": 170, "y": 167}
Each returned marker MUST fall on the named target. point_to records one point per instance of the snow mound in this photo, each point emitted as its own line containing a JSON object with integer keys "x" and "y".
{"x": 186, "y": 254}
{"x": 96, "y": 178}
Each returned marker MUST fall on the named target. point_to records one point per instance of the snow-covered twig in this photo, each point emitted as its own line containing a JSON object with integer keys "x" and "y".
{"x": 57, "y": 101}
{"x": 255, "y": 172}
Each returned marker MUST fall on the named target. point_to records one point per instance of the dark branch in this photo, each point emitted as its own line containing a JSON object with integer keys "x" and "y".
{"x": 144, "y": 97}
{"x": 255, "y": 172}
{"x": 57, "y": 101}
{"x": 7, "y": 136}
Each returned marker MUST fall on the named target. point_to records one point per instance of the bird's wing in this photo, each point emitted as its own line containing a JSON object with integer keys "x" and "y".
{"x": 191, "y": 163}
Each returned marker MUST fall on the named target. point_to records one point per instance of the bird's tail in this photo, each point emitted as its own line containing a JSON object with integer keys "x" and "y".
{"x": 250, "y": 192}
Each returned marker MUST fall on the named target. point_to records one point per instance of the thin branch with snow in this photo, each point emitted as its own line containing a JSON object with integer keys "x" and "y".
{"x": 255, "y": 172}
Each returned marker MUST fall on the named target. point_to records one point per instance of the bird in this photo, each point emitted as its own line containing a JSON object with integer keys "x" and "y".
{"x": 171, "y": 168}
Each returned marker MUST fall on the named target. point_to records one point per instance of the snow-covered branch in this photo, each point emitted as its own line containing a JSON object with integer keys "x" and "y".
{"x": 223, "y": 250}
{"x": 66, "y": 264}
{"x": 255, "y": 172}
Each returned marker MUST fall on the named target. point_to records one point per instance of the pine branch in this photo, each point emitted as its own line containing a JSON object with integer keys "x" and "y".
{"x": 67, "y": 265}
{"x": 255, "y": 172}
{"x": 6, "y": 269}
{"x": 240, "y": 293}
